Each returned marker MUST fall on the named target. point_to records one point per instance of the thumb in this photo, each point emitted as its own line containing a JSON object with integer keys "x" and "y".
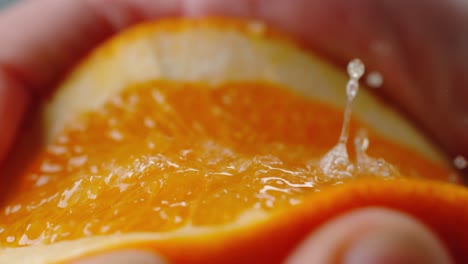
{"x": 371, "y": 236}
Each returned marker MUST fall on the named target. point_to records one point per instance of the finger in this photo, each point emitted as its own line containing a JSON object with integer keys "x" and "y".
{"x": 49, "y": 35}
{"x": 371, "y": 236}
{"x": 123, "y": 257}
{"x": 42, "y": 38}
{"x": 420, "y": 47}
{"x": 14, "y": 100}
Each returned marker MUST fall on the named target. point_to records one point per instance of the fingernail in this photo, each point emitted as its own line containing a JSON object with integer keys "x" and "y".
{"x": 123, "y": 257}
{"x": 392, "y": 248}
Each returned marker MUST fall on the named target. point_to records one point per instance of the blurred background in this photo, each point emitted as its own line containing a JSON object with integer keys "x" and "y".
{"x": 5, "y": 2}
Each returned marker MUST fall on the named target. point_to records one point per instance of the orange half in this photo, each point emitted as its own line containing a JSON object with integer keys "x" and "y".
{"x": 201, "y": 140}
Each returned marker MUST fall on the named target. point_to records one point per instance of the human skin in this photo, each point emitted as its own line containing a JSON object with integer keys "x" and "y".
{"x": 419, "y": 46}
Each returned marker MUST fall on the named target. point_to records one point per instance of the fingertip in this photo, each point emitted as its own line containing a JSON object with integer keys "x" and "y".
{"x": 14, "y": 101}
{"x": 240, "y": 8}
{"x": 371, "y": 236}
{"x": 40, "y": 53}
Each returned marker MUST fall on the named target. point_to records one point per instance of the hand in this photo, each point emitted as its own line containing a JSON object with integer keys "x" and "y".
{"x": 420, "y": 47}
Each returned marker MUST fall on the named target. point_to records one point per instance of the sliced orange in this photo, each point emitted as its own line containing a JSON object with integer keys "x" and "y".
{"x": 205, "y": 137}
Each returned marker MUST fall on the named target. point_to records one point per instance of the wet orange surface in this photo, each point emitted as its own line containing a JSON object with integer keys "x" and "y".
{"x": 162, "y": 156}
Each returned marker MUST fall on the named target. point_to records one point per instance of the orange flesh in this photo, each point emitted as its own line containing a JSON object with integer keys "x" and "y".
{"x": 182, "y": 154}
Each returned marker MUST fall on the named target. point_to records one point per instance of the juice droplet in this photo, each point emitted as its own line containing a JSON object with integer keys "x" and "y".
{"x": 361, "y": 143}
{"x": 356, "y": 69}
{"x": 460, "y": 162}
{"x": 336, "y": 162}
{"x": 352, "y": 88}
{"x": 368, "y": 165}
{"x": 374, "y": 79}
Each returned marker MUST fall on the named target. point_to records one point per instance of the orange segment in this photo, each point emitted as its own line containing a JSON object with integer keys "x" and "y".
{"x": 217, "y": 159}
{"x": 180, "y": 153}
{"x": 214, "y": 52}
